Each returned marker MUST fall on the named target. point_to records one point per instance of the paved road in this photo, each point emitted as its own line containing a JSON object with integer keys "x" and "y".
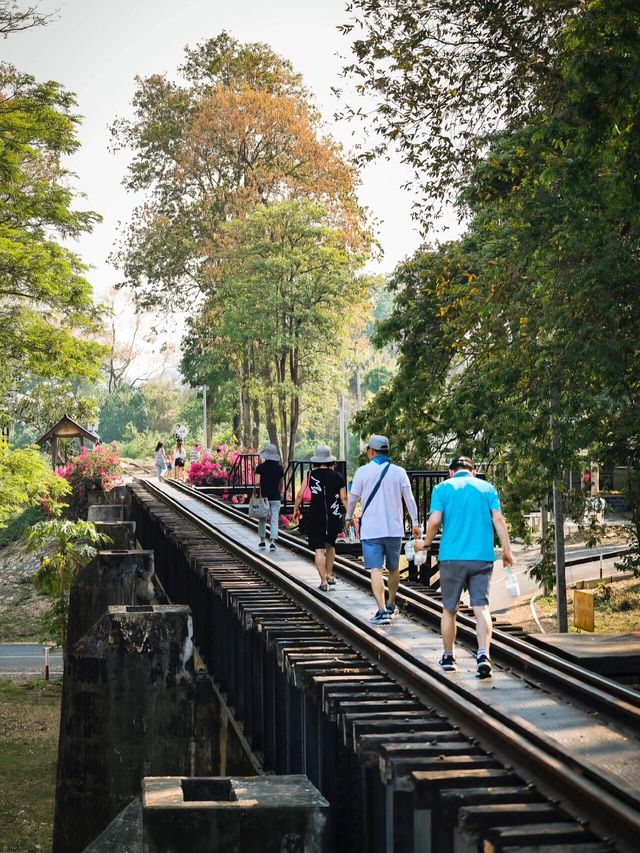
{"x": 500, "y": 599}
{"x": 26, "y": 659}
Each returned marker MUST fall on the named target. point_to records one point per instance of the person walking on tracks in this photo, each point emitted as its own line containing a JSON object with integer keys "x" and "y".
{"x": 382, "y": 487}
{"x": 469, "y": 510}
{"x": 179, "y": 459}
{"x": 160, "y": 462}
{"x": 324, "y": 518}
{"x": 269, "y": 481}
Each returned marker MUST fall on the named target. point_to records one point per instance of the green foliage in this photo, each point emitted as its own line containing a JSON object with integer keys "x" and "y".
{"x": 524, "y": 334}
{"x": 46, "y": 308}
{"x": 69, "y": 546}
{"x": 125, "y": 408}
{"x": 293, "y": 274}
{"x": 442, "y": 74}
{"x": 38, "y": 404}
{"x": 19, "y": 523}
{"x": 139, "y": 445}
{"x": 26, "y": 480}
{"x": 150, "y": 409}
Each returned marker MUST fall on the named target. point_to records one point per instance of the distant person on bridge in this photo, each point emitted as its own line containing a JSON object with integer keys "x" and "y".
{"x": 179, "y": 459}
{"x": 269, "y": 481}
{"x": 324, "y": 519}
{"x": 160, "y": 461}
{"x": 469, "y": 509}
{"x": 382, "y": 487}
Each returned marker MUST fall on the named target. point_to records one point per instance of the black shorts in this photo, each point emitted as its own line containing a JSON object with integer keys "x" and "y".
{"x": 321, "y": 540}
{"x": 179, "y": 463}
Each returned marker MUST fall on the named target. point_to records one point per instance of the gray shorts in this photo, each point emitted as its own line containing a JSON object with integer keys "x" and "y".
{"x": 455, "y": 574}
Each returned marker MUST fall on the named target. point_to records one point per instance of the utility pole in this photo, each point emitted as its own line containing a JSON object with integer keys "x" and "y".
{"x": 204, "y": 418}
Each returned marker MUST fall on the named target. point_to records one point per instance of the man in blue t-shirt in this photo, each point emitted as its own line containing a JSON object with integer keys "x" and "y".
{"x": 469, "y": 509}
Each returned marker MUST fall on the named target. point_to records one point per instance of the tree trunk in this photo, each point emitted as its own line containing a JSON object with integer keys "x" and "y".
{"x": 295, "y": 401}
{"x": 270, "y": 414}
{"x": 255, "y": 433}
{"x": 245, "y": 403}
{"x": 281, "y": 371}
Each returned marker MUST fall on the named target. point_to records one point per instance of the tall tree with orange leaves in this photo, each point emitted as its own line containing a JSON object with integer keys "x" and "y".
{"x": 239, "y": 132}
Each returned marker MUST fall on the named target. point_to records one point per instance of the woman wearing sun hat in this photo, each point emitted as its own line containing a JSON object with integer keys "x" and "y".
{"x": 269, "y": 480}
{"x": 325, "y": 517}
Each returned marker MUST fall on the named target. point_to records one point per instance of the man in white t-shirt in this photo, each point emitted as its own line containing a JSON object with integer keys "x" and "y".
{"x": 382, "y": 487}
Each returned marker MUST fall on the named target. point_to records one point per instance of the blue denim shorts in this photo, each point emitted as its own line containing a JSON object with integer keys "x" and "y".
{"x": 375, "y": 551}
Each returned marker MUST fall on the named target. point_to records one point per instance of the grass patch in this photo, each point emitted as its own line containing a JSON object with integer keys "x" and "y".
{"x": 29, "y": 726}
{"x": 617, "y": 608}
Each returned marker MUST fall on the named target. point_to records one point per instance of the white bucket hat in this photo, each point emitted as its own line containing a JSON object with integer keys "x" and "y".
{"x": 323, "y": 455}
{"x": 270, "y": 453}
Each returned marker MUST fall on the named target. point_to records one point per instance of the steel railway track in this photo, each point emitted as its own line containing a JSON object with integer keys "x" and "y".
{"x": 587, "y": 791}
{"x": 596, "y": 692}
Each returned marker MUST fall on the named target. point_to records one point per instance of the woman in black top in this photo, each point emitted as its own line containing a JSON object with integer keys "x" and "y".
{"x": 269, "y": 480}
{"x": 324, "y": 518}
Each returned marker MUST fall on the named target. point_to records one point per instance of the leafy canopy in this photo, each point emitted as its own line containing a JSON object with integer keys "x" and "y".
{"x": 240, "y": 131}
{"x": 528, "y": 327}
{"x": 46, "y": 307}
{"x": 434, "y": 77}
{"x": 26, "y": 480}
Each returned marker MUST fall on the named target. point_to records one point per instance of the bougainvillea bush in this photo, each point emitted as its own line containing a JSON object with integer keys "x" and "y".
{"x": 212, "y": 470}
{"x": 92, "y": 470}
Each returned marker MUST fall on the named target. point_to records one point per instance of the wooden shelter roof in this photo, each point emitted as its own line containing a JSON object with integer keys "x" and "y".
{"x": 67, "y": 428}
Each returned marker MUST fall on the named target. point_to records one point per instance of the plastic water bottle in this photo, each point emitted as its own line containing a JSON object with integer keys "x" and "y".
{"x": 512, "y": 584}
{"x": 419, "y": 557}
{"x": 409, "y": 549}
{"x": 352, "y": 534}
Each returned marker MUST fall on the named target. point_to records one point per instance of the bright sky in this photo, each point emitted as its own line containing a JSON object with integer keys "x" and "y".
{"x": 95, "y": 49}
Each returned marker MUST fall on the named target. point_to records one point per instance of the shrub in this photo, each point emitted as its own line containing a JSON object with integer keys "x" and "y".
{"x": 213, "y": 468}
{"x": 138, "y": 445}
{"x": 68, "y": 546}
{"x": 26, "y": 479}
{"x": 92, "y": 470}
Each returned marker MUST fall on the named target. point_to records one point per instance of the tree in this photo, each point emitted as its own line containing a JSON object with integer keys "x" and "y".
{"x": 520, "y": 341}
{"x": 437, "y": 76}
{"x": 124, "y": 335}
{"x": 71, "y": 545}
{"x": 241, "y": 131}
{"x": 46, "y": 308}
{"x": 151, "y": 409}
{"x": 290, "y": 271}
{"x": 26, "y": 480}
{"x": 37, "y": 404}
{"x": 14, "y": 19}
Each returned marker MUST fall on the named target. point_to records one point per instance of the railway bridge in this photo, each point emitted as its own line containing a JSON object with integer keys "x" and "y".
{"x": 544, "y": 756}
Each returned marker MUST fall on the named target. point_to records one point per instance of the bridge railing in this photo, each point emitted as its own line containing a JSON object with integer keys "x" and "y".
{"x": 242, "y": 472}
{"x": 296, "y": 473}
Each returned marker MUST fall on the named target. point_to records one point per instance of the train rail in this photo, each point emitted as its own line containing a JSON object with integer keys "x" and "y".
{"x": 596, "y": 691}
{"x": 602, "y": 788}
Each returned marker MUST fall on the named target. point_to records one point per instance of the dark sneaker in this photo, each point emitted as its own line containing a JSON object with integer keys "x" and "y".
{"x": 261, "y": 544}
{"x": 483, "y": 669}
{"x": 272, "y": 547}
{"x": 380, "y": 617}
{"x": 448, "y": 663}
{"x": 392, "y": 609}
